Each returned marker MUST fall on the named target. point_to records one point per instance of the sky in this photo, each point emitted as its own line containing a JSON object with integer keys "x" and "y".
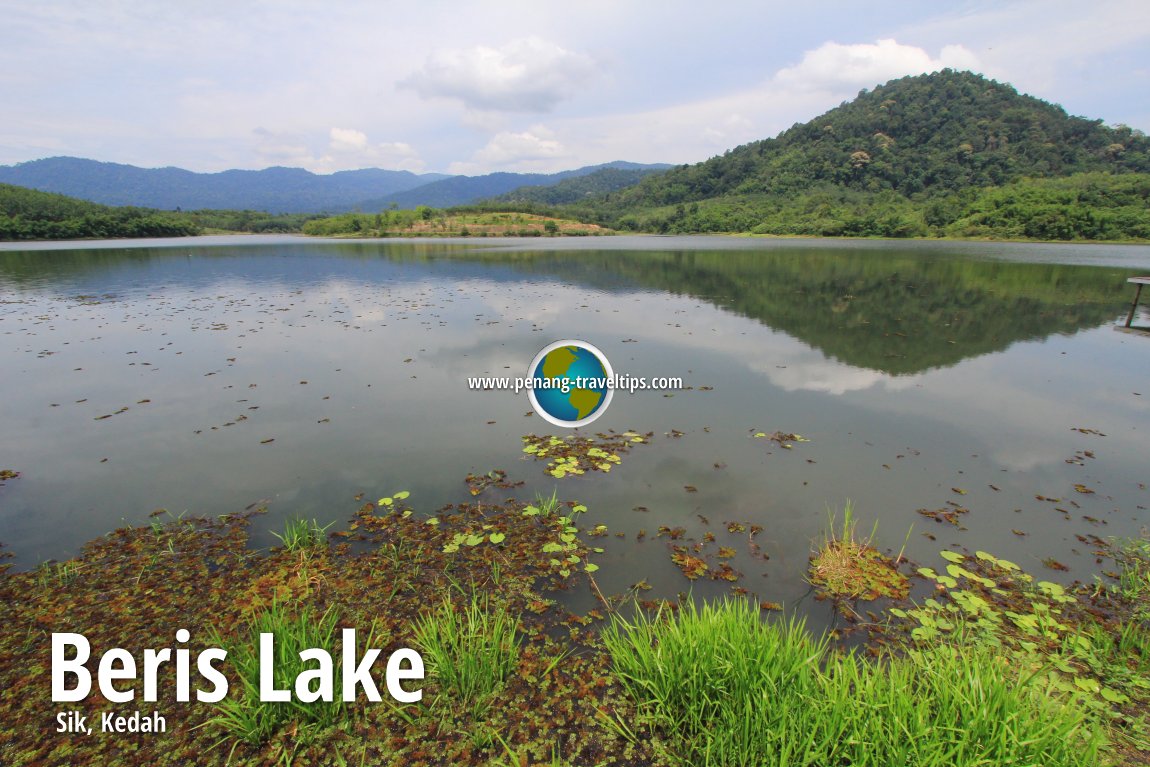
{"x": 539, "y": 86}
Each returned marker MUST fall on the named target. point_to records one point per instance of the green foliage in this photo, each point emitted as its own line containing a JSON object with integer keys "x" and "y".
{"x": 727, "y": 689}
{"x": 482, "y": 221}
{"x": 1133, "y": 586}
{"x": 244, "y": 717}
{"x": 471, "y": 651}
{"x": 302, "y": 534}
{"x": 575, "y": 189}
{"x": 1086, "y": 206}
{"x": 1054, "y": 632}
{"x": 26, "y": 214}
{"x": 944, "y": 131}
{"x": 949, "y": 705}
{"x": 256, "y": 222}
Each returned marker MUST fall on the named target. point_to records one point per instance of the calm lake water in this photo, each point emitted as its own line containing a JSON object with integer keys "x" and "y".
{"x": 925, "y": 375}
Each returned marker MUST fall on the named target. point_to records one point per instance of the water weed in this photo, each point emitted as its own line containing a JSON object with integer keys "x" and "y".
{"x": 847, "y": 567}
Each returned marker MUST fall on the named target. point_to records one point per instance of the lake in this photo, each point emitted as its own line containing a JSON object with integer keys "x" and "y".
{"x": 985, "y": 383}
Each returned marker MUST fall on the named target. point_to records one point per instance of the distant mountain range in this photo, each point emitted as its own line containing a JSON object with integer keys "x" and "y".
{"x": 276, "y": 190}
{"x": 461, "y": 190}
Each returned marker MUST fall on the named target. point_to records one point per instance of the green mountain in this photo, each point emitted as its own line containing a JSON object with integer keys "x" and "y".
{"x": 465, "y": 190}
{"x": 28, "y": 214}
{"x": 578, "y": 188}
{"x": 906, "y": 158}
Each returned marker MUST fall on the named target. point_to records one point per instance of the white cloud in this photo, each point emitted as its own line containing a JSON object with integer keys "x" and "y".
{"x": 531, "y": 150}
{"x": 833, "y": 65}
{"x": 347, "y": 149}
{"x": 348, "y": 140}
{"x": 526, "y": 75}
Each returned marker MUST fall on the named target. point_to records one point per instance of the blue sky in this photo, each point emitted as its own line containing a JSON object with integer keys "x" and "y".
{"x": 476, "y": 87}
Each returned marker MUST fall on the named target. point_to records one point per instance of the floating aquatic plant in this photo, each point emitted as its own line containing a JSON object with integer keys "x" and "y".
{"x": 575, "y": 455}
{"x": 847, "y": 567}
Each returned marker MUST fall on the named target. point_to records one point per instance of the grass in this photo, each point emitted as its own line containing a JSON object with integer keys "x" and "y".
{"x": 1133, "y": 557}
{"x": 470, "y": 651}
{"x": 303, "y": 534}
{"x": 848, "y": 567}
{"x": 548, "y": 505}
{"x": 52, "y": 574}
{"x": 727, "y": 689}
{"x": 246, "y": 718}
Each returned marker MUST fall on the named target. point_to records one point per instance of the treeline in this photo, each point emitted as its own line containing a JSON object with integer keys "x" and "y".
{"x": 575, "y": 189}
{"x": 1085, "y": 206}
{"x": 252, "y": 221}
{"x": 464, "y": 221}
{"x": 26, "y": 214}
{"x": 371, "y": 224}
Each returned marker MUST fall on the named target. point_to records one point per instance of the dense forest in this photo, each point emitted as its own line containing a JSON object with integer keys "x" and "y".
{"x": 578, "y": 188}
{"x": 1085, "y": 206}
{"x": 26, "y": 214}
{"x": 944, "y": 154}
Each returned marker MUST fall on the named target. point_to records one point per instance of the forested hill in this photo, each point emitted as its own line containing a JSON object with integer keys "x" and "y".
{"x": 465, "y": 190}
{"x": 931, "y": 133}
{"x": 577, "y": 188}
{"x": 897, "y": 147}
{"x": 28, "y": 214}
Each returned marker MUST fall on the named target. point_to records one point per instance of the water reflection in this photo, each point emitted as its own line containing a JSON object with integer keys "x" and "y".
{"x": 913, "y": 371}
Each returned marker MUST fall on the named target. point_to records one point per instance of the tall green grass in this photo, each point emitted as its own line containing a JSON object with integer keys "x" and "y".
{"x": 244, "y": 716}
{"x": 470, "y": 650}
{"x": 727, "y": 689}
{"x": 303, "y": 534}
{"x": 1133, "y": 558}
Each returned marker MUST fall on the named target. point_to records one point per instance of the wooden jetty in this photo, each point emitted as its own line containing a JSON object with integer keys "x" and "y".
{"x": 1139, "y": 281}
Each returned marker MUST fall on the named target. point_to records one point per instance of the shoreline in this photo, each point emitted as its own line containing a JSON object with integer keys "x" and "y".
{"x": 390, "y": 568}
